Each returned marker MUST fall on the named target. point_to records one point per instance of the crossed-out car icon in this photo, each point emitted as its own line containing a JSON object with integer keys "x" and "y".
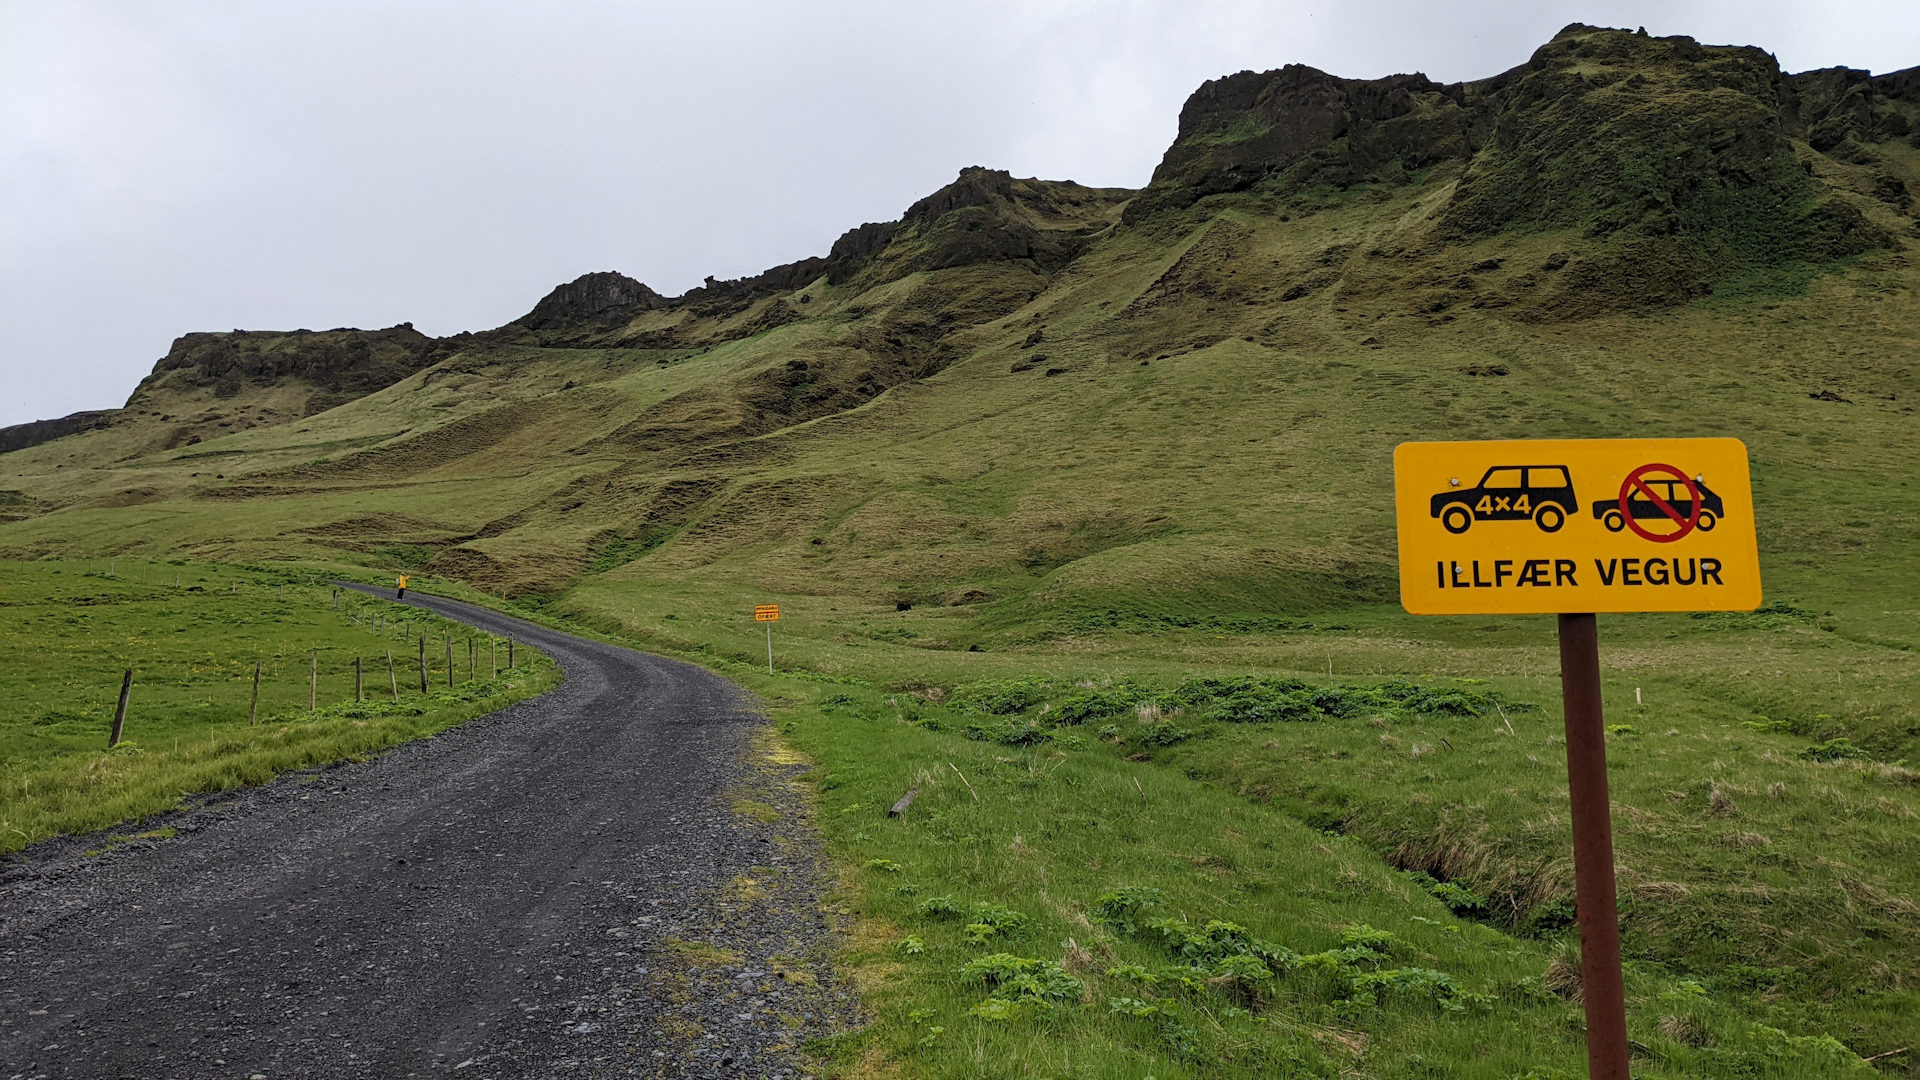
{"x": 1675, "y": 492}
{"x": 1542, "y": 493}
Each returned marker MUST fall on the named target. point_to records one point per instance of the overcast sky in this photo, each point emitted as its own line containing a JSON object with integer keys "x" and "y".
{"x": 171, "y": 166}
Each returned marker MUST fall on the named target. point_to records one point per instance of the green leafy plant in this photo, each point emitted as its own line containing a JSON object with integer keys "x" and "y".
{"x": 989, "y": 920}
{"x": 1019, "y": 986}
{"x": 1091, "y": 704}
{"x": 1459, "y": 900}
{"x": 999, "y": 697}
{"x": 939, "y": 907}
{"x": 1163, "y": 734}
{"x": 1124, "y": 907}
{"x": 1839, "y": 749}
{"x": 1548, "y": 917}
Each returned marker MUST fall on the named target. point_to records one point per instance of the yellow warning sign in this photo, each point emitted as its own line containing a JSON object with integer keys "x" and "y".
{"x": 1575, "y": 525}
{"x": 766, "y": 613}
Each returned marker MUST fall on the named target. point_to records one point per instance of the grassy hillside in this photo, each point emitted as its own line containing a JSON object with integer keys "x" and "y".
{"x": 1041, "y": 431}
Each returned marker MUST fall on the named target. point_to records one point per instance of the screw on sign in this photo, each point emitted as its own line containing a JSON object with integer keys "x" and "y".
{"x": 1524, "y": 562}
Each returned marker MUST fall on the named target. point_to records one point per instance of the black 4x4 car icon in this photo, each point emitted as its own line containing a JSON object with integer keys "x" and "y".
{"x": 1543, "y": 493}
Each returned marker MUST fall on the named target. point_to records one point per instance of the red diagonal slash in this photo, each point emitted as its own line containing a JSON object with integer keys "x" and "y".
{"x": 1635, "y": 480}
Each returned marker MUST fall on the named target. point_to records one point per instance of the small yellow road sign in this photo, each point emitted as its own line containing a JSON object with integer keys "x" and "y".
{"x": 766, "y": 613}
{"x": 1575, "y": 525}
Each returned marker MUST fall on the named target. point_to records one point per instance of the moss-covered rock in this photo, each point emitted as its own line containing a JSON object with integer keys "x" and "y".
{"x": 1673, "y": 164}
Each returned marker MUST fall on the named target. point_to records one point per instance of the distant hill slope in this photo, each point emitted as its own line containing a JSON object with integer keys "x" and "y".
{"x": 1031, "y": 397}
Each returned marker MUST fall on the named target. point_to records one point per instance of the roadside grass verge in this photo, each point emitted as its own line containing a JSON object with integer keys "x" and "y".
{"x": 192, "y": 633}
{"x": 1046, "y": 909}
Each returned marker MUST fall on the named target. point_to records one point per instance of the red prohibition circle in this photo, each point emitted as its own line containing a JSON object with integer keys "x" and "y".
{"x": 1636, "y": 479}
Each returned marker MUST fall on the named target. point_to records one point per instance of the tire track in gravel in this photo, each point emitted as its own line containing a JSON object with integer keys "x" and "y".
{"x": 560, "y": 888}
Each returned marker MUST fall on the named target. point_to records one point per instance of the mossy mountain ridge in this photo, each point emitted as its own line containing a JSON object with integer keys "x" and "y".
{"x": 904, "y": 416}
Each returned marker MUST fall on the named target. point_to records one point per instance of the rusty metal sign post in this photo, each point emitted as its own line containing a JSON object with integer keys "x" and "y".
{"x": 1497, "y": 528}
{"x": 1603, "y": 985}
{"x": 769, "y": 614}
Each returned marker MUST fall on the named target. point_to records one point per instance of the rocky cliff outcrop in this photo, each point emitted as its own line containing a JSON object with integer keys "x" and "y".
{"x": 603, "y": 298}
{"x": 343, "y": 363}
{"x": 212, "y": 384}
{"x": 1657, "y": 139}
{"x": 986, "y": 216}
{"x": 35, "y": 432}
{"x": 1610, "y": 132}
{"x": 1301, "y": 126}
{"x": 1831, "y": 105}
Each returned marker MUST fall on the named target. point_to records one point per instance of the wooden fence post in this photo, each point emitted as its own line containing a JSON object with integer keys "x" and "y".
{"x": 357, "y": 697}
{"x": 313, "y": 684}
{"x": 392, "y": 677}
{"x": 120, "y": 710}
{"x": 469, "y": 659}
{"x": 253, "y": 710}
{"x": 509, "y": 652}
{"x": 449, "y": 644}
{"x": 423, "y": 663}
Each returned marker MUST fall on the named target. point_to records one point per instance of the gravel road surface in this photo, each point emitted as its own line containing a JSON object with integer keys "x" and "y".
{"x": 565, "y": 887}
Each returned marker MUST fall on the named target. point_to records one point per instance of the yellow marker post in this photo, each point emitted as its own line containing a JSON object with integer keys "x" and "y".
{"x": 769, "y": 614}
{"x": 1573, "y": 527}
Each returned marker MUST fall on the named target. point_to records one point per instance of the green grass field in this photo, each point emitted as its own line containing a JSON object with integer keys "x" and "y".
{"x": 1029, "y": 851}
{"x": 192, "y": 634}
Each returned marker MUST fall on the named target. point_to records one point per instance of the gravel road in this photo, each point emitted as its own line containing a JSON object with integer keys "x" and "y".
{"x": 561, "y": 888}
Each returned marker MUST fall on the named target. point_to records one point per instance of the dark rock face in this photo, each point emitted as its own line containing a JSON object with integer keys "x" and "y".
{"x": 975, "y": 186}
{"x": 857, "y": 247}
{"x": 35, "y": 432}
{"x": 1242, "y": 129}
{"x": 342, "y": 362}
{"x": 1832, "y": 105}
{"x": 1657, "y": 141}
{"x": 603, "y": 298}
{"x": 333, "y": 366}
{"x": 986, "y": 216}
